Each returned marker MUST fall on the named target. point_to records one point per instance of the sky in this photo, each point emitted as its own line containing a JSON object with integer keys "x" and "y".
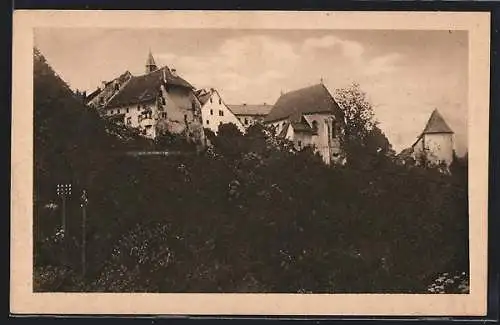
{"x": 406, "y": 74}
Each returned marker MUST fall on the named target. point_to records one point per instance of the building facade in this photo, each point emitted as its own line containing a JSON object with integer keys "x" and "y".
{"x": 435, "y": 144}
{"x": 156, "y": 102}
{"x": 309, "y": 117}
{"x": 250, "y": 114}
{"x": 215, "y": 112}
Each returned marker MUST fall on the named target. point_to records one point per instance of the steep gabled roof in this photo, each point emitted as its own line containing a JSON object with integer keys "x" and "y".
{"x": 309, "y": 100}
{"x": 145, "y": 88}
{"x": 436, "y": 124}
{"x": 252, "y": 110}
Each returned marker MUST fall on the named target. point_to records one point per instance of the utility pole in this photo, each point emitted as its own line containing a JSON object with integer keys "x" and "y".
{"x": 83, "y": 205}
{"x": 64, "y": 191}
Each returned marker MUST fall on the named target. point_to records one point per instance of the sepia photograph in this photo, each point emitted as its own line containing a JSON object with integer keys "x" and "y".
{"x": 252, "y": 160}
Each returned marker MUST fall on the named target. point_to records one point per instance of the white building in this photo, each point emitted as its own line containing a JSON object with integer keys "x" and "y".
{"x": 249, "y": 114}
{"x": 309, "y": 117}
{"x": 435, "y": 144}
{"x": 215, "y": 112}
{"x": 156, "y": 102}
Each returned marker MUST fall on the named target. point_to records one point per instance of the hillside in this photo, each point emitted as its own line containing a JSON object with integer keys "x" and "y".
{"x": 69, "y": 138}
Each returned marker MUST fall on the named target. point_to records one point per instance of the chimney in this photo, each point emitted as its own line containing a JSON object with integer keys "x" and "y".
{"x": 103, "y": 84}
{"x": 174, "y": 72}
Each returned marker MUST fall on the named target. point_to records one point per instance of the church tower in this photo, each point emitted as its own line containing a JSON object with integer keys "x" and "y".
{"x": 150, "y": 63}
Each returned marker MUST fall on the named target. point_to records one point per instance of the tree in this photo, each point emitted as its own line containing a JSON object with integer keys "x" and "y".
{"x": 362, "y": 141}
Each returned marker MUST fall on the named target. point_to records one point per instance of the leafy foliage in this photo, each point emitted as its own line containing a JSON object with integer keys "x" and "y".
{"x": 363, "y": 142}
{"x": 251, "y": 214}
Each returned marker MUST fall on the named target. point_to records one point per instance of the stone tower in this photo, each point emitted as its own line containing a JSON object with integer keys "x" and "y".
{"x": 436, "y": 141}
{"x": 150, "y": 63}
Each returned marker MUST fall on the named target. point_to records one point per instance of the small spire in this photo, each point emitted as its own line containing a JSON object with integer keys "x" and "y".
{"x": 150, "y": 63}
{"x": 321, "y": 81}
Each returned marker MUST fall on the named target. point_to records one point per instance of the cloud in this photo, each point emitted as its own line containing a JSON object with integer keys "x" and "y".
{"x": 238, "y": 65}
{"x": 382, "y": 64}
{"x": 350, "y": 49}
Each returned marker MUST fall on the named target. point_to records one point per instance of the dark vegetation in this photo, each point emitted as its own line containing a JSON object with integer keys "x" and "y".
{"x": 250, "y": 214}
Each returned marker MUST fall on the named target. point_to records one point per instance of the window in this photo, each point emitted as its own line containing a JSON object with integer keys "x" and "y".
{"x": 129, "y": 120}
{"x": 220, "y": 101}
{"x": 246, "y": 121}
{"x": 299, "y": 144}
{"x": 185, "y": 117}
{"x": 127, "y": 109}
{"x": 210, "y": 99}
{"x": 208, "y": 122}
{"x": 193, "y": 105}
{"x": 138, "y": 107}
{"x": 334, "y": 129}
{"x": 221, "y": 113}
{"x": 315, "y": 126}
{"x": 112, "y": 112}
{"x": 211, "y": 112}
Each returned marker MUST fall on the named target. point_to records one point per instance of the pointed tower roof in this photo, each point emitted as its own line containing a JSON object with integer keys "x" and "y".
{"x": 436, "y": 124}
{"x": 150, "y": 61}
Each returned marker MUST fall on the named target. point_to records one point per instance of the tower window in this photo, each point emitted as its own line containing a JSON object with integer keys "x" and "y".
{"x": 334, "y": 129}
{"x": 211, "y": 100}
{"x": 208, "y": 122}
{"x": 127, "y": 110}
{"x": 221, "y": 113}
{"x": 211, "y": 112}
{"x": 246, "y": 121}
{"x": 220, "y": 101}
{"x": 315, "y": 126}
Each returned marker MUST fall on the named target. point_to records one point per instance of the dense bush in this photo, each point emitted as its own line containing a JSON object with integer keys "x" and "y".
{"x": 250, "y": 214}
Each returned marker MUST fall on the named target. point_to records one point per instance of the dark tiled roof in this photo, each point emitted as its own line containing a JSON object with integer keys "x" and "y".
{"x": 93, "y": 94}
{"x": 256, "y": 110}
{"x": 203, "y": 95}
{"x": 284, "y": 130}
{"x": 302, "y": 126}
{"x": 436, "y": 124}
{"x": 309, "y": 100}
{"x": 145, "y": 88}
{"x": 405, "y": 153}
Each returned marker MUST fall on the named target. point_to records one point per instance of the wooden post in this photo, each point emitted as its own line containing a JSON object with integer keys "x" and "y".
{"x": 84, "y": 232}
{"x": 64, "y": 214}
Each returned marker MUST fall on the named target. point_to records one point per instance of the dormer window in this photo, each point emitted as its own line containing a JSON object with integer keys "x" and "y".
{"x": 220, "y": 101}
